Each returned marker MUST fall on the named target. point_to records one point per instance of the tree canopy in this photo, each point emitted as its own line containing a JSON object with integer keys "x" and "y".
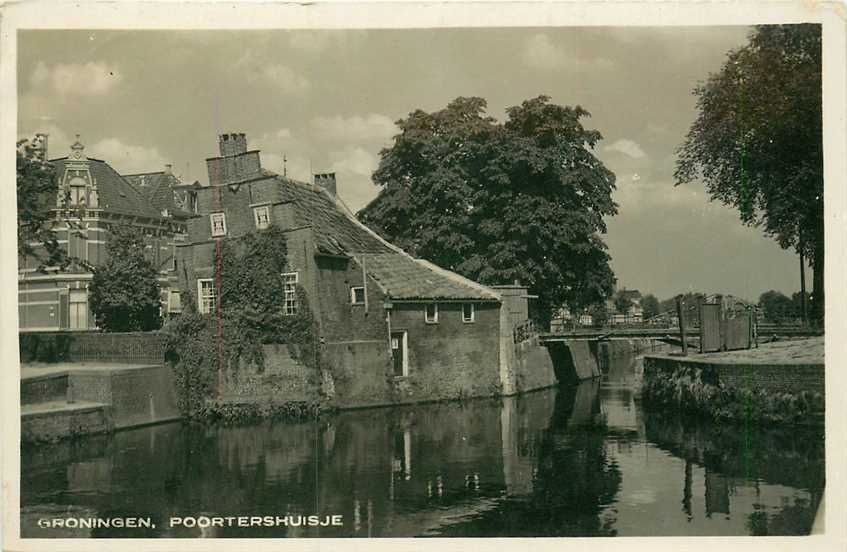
{"x": 36, "y": 195}
{"x": 124, "y": 292}
{"x": 650, "y": 306}
{"x": 777, "y": 307}
{"x": 522, "y": 200}
{"x": 757, "y": 140}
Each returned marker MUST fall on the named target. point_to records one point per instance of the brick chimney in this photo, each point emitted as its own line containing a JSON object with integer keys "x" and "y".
{"x": 232, "y": 144}
{"x": 169, "y": 169}
{"x": 235, "y": 162}
{"x": 326, "y": 181}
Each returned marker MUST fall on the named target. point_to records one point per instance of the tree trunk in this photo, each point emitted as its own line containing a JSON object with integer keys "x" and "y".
{"x": 818, "y": 302}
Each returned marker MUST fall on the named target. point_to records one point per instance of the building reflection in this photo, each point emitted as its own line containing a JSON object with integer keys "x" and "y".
{"x": 542, "y": 464}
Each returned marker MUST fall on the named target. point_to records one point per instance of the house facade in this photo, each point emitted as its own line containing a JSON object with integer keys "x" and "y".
{"x": 93, "y": 198}
{"x": 393, "y": 328}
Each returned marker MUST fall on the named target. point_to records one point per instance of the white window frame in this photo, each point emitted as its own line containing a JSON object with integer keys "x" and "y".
{"x": 290, "y": 306}
{"x": 222, "y": 218}
{"x": 472, "y": 318}
{"x": 353, "y": 295}
{"x": 256, "y": 218}
{"x": 205, "y": 304}
{"x": 434, "y": 319}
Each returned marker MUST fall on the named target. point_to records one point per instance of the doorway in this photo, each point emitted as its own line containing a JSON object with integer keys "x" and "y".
{"x": 400, "y": 352}
{"x": 78, "y": 309}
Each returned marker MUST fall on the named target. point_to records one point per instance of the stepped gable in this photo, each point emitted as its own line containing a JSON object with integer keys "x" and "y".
{"x": 114, "y": 193}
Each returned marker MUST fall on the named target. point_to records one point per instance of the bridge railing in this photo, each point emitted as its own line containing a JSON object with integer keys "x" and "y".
{"x": 524, "y": 331}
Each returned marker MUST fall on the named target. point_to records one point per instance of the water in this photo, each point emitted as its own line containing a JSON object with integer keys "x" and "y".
{"x": 584, "y": 461}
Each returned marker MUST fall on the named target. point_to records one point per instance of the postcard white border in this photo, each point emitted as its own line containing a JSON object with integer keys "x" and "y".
{"x": 267, "y": 15}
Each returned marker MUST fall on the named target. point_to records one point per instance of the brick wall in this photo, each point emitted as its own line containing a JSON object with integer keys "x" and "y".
{"x": 282, "y": 379}
{"x": 132, "y": 348}
{"x": 451, "y": 358}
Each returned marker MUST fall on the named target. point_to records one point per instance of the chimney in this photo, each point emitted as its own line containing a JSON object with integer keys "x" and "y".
{"x": 235, "y": 162}
{"x": 169, "y": 168}
{"x": 232, "y": 144}
{"x": 326, "y": 181}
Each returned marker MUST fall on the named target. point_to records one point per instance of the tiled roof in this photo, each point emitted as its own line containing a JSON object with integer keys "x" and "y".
{"x": 401, "y": 276}
{"x": 114, "y": 193}
{"x": 338, "y": 232}
{"x": 157, "y": 188}
{"x": 404, "y": 277}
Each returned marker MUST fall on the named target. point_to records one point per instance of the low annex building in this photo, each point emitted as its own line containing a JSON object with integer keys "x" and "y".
{"x": 394, "y": 328}
{"x": 93, "y": 197}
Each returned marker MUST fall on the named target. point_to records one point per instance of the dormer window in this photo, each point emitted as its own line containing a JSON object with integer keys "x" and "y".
{"x": 76, "y": 187}
{"x": 218, "y": 222}
{"x": 262, "y": 217}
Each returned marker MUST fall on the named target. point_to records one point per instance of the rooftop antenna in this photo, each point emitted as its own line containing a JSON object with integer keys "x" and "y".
{"x": 284, "y": 165}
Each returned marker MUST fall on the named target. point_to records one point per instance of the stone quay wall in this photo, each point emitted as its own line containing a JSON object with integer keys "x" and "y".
{"x": 124, "y": 348}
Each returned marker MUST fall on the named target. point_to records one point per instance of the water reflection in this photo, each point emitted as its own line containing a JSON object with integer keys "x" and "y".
{"x": 578, "y": 461}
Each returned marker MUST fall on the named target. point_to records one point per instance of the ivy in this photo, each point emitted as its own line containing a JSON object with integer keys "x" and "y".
{"x": 685, "y": 391}
{"x": 203, "y": 347}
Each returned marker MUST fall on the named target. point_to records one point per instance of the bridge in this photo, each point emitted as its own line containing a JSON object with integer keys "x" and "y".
{"x": 667, "y": 333}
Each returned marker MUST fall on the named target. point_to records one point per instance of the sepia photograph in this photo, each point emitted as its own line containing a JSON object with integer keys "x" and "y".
{"x": 458, "y": 281}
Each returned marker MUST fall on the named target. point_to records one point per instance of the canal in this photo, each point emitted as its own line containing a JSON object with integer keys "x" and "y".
{"x": 578, "y": 461}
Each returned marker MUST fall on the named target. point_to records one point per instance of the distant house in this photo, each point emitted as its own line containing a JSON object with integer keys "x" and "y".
{"x": 634, "y": 314}
{"x": 91, "y": 199}
{"x": 396, "y": 328}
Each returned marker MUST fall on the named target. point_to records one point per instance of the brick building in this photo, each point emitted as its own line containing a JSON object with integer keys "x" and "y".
{"x": 92, "y": 197}
{"x": 394, "y": 328}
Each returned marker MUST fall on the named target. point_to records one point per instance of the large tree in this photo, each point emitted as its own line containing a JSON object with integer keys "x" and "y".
{"x": 124, "y": 291}
{"x": 757, "y": 140}
{"x": 36, "y": 196}
{"x": 522, "y": 200}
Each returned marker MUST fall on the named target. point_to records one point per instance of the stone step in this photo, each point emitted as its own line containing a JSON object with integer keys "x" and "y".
{"x": 54, "y": 420}
{"x": 48, "y": 387}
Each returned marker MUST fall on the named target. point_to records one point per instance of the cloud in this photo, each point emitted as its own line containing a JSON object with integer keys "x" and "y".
{"x": 354, "y": 167}
{"x": 627, "y": 147}
{"x": 539, "y": 52}
{"x": 286, "y": 80}
{"x": 127, "y": 158}
{"x": 354, "y": 160}
{"x": 372, "y": 127}
{"x": 75, "y": 79}
{"x": 282, "y": 77}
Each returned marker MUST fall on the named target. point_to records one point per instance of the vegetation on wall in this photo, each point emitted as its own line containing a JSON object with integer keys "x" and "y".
{"x": 685, "y": 391}
{"x": 248, "y": 315}
{"x": 124, "y": 292}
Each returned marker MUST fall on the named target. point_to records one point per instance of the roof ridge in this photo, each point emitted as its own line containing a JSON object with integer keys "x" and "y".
{"x": 144, "y": 173}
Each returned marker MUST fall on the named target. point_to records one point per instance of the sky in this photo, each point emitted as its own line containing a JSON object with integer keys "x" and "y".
{"x": 327, "y": 101}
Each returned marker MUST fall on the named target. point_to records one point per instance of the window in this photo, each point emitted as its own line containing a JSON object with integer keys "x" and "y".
{"x": 289, "y": 282}
{"x": 174, "y": 301}
{"x": 262, "y": 216}
{"x": 218, "y": 221}
{"x": 206, "y": 295}
{"x": 431, "y": 313}
{"x": 357, "y": 295}
{"x": 467, "y": 313}
{"x": 77, "y": 195}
